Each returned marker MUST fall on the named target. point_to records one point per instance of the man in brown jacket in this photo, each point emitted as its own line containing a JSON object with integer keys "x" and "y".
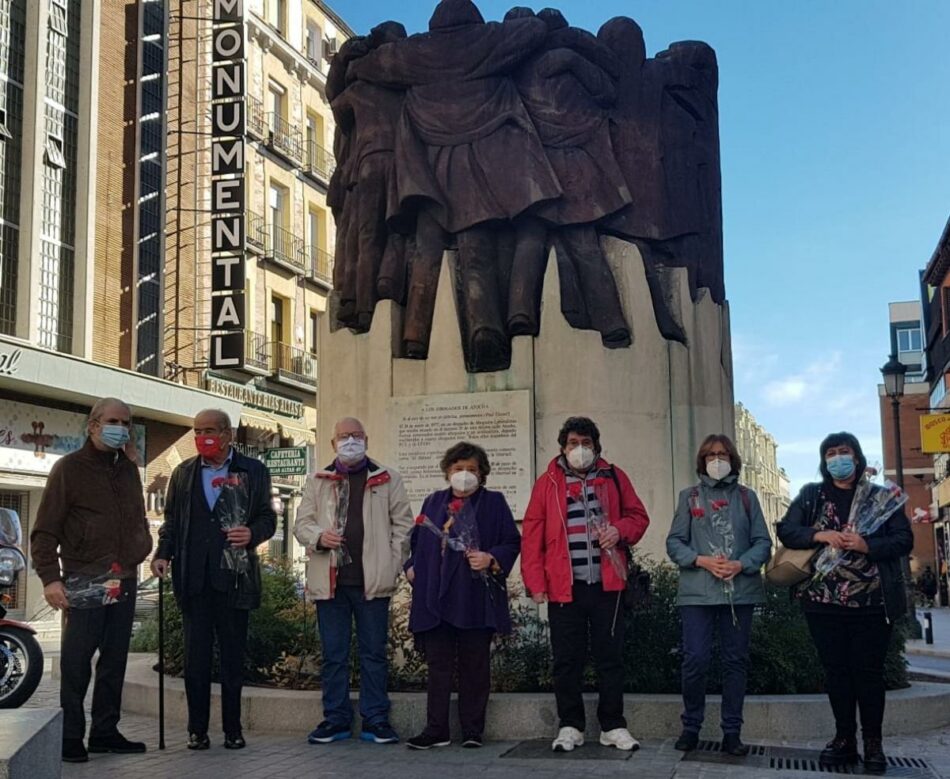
{"x": 89, "y": 537}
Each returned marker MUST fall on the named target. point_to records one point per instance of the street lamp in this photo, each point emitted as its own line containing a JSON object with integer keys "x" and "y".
{"x": 893, "y": 373}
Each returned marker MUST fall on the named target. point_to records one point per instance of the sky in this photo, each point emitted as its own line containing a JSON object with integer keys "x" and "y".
{"x": 835, "y": 133}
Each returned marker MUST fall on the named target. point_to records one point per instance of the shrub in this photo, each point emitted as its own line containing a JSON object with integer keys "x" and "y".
{"x": 284, "y": 650}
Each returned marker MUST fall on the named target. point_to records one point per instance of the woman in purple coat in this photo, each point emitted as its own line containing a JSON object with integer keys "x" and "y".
{"x": 459, "y": 562}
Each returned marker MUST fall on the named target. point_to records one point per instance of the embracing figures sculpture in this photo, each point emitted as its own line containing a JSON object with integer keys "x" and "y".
{"x": 500, "y": 139}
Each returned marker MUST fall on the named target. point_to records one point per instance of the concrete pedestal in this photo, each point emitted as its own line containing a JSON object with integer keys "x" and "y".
{"x": 654, "y": 402}
{"x": 31, "y": 742}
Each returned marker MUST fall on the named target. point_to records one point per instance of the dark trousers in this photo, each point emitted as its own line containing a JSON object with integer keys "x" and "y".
{"x": 448, "y": 647}
{"x": 205, "y": 616}
{"x": 108, "y": 630}
{"x": 852, "y": 648}
{"x": 588, "y": 621}
{"x": 699, "y": 622}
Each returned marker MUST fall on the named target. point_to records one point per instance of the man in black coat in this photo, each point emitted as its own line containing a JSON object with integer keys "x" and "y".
{"x": 217, "y": 511}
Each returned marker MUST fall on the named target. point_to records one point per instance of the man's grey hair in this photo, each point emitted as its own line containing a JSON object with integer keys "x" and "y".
{"x": 223, "y": 420}
{"x": 95, "y": 413}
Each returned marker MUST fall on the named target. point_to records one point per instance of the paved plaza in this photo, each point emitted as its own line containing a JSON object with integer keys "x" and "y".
{"x": 288, "y": 755}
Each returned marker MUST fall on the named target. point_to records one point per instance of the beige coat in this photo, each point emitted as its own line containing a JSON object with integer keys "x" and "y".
{"x": 387, "y": 520}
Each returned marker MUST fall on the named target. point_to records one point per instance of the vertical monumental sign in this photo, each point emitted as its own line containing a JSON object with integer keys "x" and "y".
{"x": 228, "y": 196}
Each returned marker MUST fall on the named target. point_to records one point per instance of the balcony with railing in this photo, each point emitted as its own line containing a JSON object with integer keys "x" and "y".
{"x": 287, "y": 249}
{"x": 295, "y": 367}
{"x": 319, "y": 163}
{"x": 257, "y": 233}
{"x": 285, "y": 139}
{"x": 256, "y": 118}
{"x": 320, "y": 266}
{"x": 257, "y": 353}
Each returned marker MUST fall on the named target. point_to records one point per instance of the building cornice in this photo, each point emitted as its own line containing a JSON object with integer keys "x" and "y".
{"x": 294, "y": 61}
{"x": 939, "y": 263}
{"x": 334, "y": 17}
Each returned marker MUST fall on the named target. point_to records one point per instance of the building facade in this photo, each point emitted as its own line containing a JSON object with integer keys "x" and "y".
{"x": 107, "y": 115}
{"x": 936, "y": 329}
{"x": 760, "y": 469}
{"x": 906, "y": 336}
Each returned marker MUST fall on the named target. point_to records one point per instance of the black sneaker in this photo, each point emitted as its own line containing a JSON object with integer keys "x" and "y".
{"x": 687, "y": 742}
{"x": 732, "y": 745}
{"x": 327, "y": 732}
{"x": 199, "y": 741}
{"x": 380, "y": 733}
{"x": 116, "y": 743}
{"x": 234, "y": 741}
{"x": 875, "y": 761}
{"x": 472, "y": 742}
{"x": 425, "y": 741}
{"x": 74, "y": 751}
{"x": 841, "y": 750}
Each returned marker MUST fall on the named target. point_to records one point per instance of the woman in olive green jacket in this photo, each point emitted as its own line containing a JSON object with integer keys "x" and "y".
{"x": 720, "y": 542}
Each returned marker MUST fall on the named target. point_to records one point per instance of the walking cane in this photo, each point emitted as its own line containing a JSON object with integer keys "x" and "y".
{"x": 161, "y": 662}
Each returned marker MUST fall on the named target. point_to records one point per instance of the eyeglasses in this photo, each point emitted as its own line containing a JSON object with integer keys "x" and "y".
{"x": 359, "y": 436}
{"x": 717, "y": 456}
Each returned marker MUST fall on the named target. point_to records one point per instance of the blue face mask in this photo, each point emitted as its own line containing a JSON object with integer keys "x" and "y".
{"x": 841, "y": 466}
{"x": 114, "y": 436}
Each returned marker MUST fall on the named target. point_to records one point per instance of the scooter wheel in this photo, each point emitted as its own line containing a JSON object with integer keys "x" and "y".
{"x": 21, "y": 666}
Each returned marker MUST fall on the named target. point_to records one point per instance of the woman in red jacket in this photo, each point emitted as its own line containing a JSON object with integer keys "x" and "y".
{"x": 582, "y": 517}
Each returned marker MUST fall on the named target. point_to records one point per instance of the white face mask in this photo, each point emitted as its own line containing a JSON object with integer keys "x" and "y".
{"x": 463, "y": 482}
{"x": 580, "y": 458}
{"x": 351, "y": 451}
{"x": 718, "y": 469}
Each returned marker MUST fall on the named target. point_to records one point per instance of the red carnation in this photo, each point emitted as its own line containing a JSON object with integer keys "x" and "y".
{"x": 455, "y": 506}
{"x": 420, "y": 520}
{"x": 218, "y": 481}
{"x": 698, "y": 513}
{"x": 574, "y": 489}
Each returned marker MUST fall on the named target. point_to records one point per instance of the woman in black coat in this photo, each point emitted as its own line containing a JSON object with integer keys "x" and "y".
{"x": 850, "y": 611}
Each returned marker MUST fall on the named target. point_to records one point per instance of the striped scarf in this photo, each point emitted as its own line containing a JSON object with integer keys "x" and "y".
{"x": 582, "y": 504}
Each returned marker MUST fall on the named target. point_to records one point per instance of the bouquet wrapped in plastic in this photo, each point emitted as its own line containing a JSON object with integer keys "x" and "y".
{"x": 599, "y": 523}
{"x": 337, "y": 506}
{"x": 460, "y": 534}
{"x": 872, "y": 506}
{"x": 232, "y": 510}
{"x": 724, "y": 547}
{"x": 89, "y": 591}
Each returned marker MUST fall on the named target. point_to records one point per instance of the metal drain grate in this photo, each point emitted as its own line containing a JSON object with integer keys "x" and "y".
{"x": 802, "y": 761}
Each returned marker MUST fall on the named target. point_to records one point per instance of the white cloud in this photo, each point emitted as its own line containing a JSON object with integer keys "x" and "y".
{"x": 805, "y": 385}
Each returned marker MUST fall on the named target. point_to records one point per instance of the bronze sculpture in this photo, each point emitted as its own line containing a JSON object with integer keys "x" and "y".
{"x": 502, "y": 138}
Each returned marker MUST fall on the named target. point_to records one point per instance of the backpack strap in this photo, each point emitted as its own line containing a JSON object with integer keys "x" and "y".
{"x": 746, "y": 500}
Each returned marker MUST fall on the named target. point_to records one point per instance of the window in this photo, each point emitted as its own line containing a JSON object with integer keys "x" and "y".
{"x": 313, "y": 229}
{"x": 276, "y": 13}
{"x": 276, "y": 93}
{"x": 314, "y": 43}
{"x": 314, "y": 323}
{"x": 278, "y": 205}
{"x": 277, "y": 320}
{"x": 57, "y": 19}
{"x": 908, "y": 339}
{"x": 54, "y": 152}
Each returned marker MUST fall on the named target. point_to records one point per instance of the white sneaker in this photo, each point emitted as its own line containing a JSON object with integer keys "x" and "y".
{"x": 567, "y": 739}
{"x": 620, "y": 738}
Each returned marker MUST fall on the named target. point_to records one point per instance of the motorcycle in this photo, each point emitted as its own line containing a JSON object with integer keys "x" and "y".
{"x": 21, "y": 658}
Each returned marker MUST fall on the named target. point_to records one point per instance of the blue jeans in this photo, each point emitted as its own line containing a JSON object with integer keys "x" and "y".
{"x": 335, "y": 622}
{"x": 698, "y": 625}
